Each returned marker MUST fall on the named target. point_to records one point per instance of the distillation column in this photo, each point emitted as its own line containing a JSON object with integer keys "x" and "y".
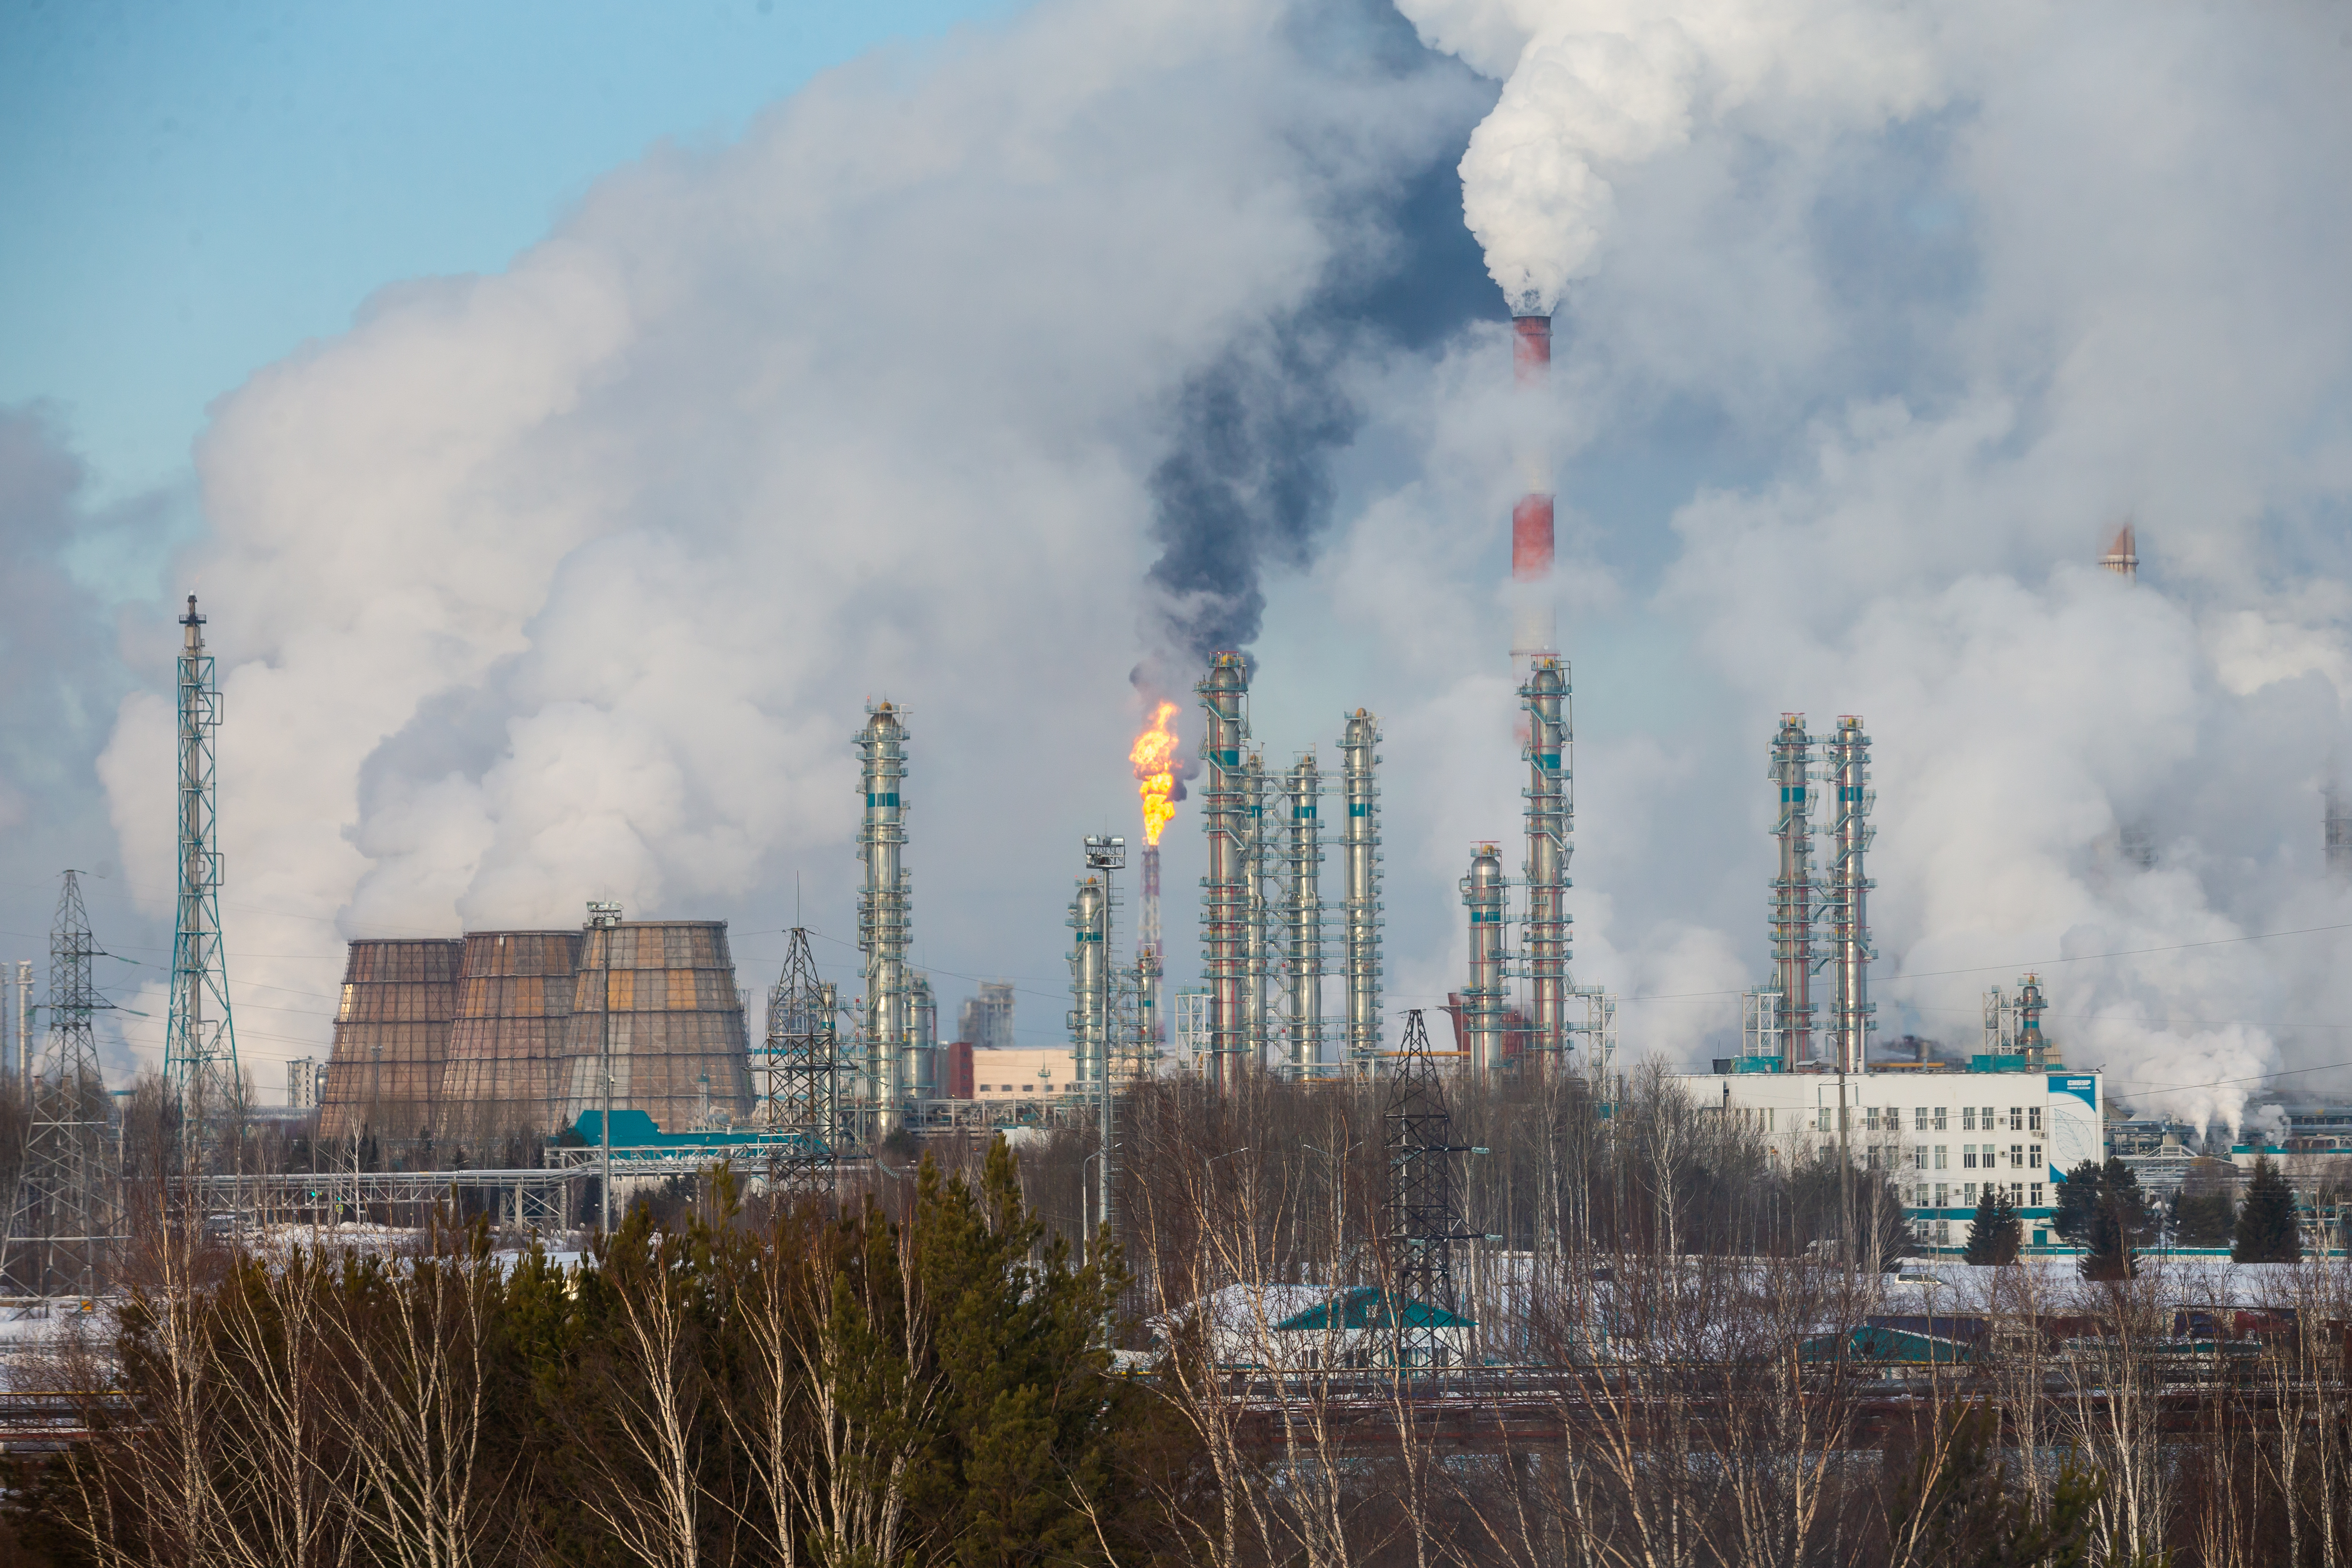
{"x": 1303, "y": 916}
{"x": 1360, "y": 888}
{"x": 1550, "y": 817}
{"x": 1483, "y": 1018}
{"x": 883, "y": 916}
{"x": 1257, "y": 1010}
{"x": 1089, "y": 1022}
{"x": 1793, "y": 891}
{"x": 1224, "y": 693}
{"x": 1850, "y": 892}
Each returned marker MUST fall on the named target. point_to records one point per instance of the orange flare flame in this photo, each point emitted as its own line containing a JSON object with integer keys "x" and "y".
{"x": 1154, "y": 755}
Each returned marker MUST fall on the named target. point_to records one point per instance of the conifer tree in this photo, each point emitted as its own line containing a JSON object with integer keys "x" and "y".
{"x": 2267, "y": 1232}
{"x": 1995, "y": 1233}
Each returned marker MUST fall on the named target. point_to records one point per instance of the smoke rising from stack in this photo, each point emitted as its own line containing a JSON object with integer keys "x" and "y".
{"x": 625, "y": 530}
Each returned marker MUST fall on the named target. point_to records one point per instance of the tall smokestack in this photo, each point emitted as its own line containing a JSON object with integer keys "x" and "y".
{"x": 1359, "y": 843}
{"x": 1535, "y": 630}
{"x": 1482, "y": 999}
{"x": 1792, "y": 890}
{"x": 1849, "y": 893}
{"x": 2122, "y": 554}
{"x": 1224, "y": 900}
{"x": 884, "y": 915}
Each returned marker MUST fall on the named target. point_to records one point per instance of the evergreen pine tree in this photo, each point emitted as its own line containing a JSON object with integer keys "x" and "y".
{"x": 2266, "y": 1226}
{"x": 2078, "y": 1200}
{"x": 2120, "y": 1224}
{"x": 1995, "y": 1232}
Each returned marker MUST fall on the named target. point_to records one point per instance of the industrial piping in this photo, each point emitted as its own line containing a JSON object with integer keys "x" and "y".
{"x": 1792, "y": 890}
{"x": 1550, "y": 817}
{"x": 884, "y": 916}
{"x": 1483, "y": 1000}
{"x": 1223, "y": 692}
{"x": 1303, "y": 915}
{"x": 1360, "y": 844}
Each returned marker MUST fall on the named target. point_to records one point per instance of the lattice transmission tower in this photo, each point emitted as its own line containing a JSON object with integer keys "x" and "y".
{"x": 63, "y": 1226}
{"x": 800, "y": 1073}
{"x": 1423, "y": 1212}
{"x": 200, "y": 1070}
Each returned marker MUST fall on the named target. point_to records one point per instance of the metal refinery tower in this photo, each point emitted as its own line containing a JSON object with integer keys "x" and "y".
{"x": 1360, "y": 895}
{"x": 885, "y": 919}
{"x": 1850, "y": 888}
{"x": 1792, "y": 892}
{"x": 1551, "y": 811}
{"x": 200, "y": 1070}
{"x": 1224, "y": 905}
{"x": 1302, "y": 914}
{"x": 1779, "y": 1021}
{"x": 63, "y": 1225}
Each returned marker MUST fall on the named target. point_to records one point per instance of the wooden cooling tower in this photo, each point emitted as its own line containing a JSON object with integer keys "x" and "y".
{"x": 392, "y": 1035}
{"x": 507, "y": 1040}
{"x": 662, "y": 993}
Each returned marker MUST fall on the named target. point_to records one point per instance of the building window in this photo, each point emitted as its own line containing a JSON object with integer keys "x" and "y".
{"x": 1919, "y": 1157}
{"x": 1943, "y": 1195}
{"x": 2016, "y": 1195}
{"x": 1824, "y": 1120}
{"x": 1870, "y": 1157}
{"x": 1943, "y": 1233}
{"x": 2034, "y": 1157}
{"x": 1940, "y": 1118}
{"x": 2033, "y": 1118}
{"x": 1968, "y": 1194}
{"x": 1943, "y": 1157}
{"x": 1988, "y": 1119}
{"x": 2036, "y": 1188}
{"x": 1919, "y": 1119}
{"x": 1967, "y": 1118}
{"x": 1969, "y": 1155}
{"x": 2017, "y": 1119}
{"x": 1870, "y": 1118}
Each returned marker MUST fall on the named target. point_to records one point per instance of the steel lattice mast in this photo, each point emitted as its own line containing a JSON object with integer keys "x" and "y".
{"x": 1422, "y": 1225}
{"x": 62, "y": 1226}
{"x": 200, "y": 1070}
{"x": 800, "y": 1070}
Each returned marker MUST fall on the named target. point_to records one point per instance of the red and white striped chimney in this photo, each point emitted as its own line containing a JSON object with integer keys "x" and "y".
{"x": 1535, "y": 630}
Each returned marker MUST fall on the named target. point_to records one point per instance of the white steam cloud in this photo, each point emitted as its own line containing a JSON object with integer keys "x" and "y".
{"x": 1594, "y": 88}
{"x": 572, "y": 581}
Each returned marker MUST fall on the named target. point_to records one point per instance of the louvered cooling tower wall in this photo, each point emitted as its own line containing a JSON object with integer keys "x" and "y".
{"x": 514, "y": 1000}
{"x": 674, "y": 1021}
{"x": 392, "y": 1037}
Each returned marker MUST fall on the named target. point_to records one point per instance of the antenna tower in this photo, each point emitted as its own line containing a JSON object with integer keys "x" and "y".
{"x": 200, "y": 1037}
{"x": 1422, "y": 1220}
{"x": 61, "y": 1227}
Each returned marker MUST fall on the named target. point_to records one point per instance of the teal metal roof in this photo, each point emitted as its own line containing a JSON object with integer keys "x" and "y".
{"x": 1366, "y": 1307}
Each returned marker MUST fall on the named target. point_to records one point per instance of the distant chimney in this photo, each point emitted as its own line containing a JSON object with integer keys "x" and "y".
{"x": 2339, "y": 830}
{"x": 2123, "y": 555}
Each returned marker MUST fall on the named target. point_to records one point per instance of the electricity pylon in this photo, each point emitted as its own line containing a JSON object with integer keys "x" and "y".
{"x": 62, "y": 1228}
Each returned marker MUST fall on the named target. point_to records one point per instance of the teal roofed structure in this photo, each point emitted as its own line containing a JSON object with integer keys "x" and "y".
{"x": 634, "y": 1131}
{"x": 1366, "y": 1307}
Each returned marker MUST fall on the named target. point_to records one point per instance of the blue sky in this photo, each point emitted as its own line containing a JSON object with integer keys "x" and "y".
{"x": 191, "y": 191}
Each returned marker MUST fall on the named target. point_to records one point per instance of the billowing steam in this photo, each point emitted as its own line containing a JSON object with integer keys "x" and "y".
{"x": 1591, "y": 91}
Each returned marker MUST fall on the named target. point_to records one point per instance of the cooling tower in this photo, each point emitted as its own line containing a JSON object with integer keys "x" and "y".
{"x": 392, "y": 1038}
{"x": 514, "y": 998}
{"x": 669, "y": 1015}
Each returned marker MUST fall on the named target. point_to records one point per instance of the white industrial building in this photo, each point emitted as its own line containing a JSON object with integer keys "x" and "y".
{"x": 1942, "y": 1132}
